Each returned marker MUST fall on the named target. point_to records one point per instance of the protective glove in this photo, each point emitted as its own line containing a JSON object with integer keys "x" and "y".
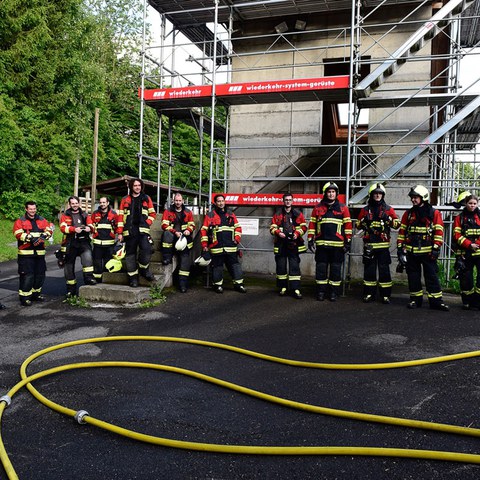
{"x": 38, "y": 241}
{"x": 311, "y": 245}
{"x": 402, "y": 256}
{"x": 347, "y": 247}
{"x": 435, "y": 253}
{"x": 28, "y": 238}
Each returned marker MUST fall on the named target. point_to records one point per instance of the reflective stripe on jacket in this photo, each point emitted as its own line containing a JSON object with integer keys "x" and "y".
{"x": 466, "y": 230}
{"x": 105, "y": 226}
{"x": 148, "y": 215}
{"x": 221, "y": 232}
{"x": 298, "y": 228}
{"x": 39, "y": 228}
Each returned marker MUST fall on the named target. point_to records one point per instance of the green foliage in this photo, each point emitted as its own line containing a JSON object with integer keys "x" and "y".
{"x": 75, "y": 301}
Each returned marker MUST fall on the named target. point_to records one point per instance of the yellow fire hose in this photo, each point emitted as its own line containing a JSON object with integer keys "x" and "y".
{"x": 84, "y": 417}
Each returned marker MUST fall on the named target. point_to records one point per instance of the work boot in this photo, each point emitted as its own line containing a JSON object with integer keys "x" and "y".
{"x": 166, "y": 261}
{"x": 368, "y": 299}
{"x": 218, "y": 289}
{"x": 297, "y": 295}
{"x": 183, "y": 289}
{"x": 282, "y": 292}
{"x": 133, "y": 281}
{"x": 2, "y": 306}
{"x": 26, "y": 302}
{"x": 320, "y": 296}
{"x": 240, "y": 288}
{"x": 386, "y": 300}
{"x": 440, "y": 306}
{"x": 147, "y": 274}
{"x": 333, "y": 297}
{"x": 39, "y": 298}
{"x": 90, "y": 281}
{"x": 412, "y": 305}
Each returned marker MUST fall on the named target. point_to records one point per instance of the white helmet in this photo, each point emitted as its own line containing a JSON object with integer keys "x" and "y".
{"x": 419, "y": 191}
{"x": 204, "y": 259}
{"x": 181, "y": 243}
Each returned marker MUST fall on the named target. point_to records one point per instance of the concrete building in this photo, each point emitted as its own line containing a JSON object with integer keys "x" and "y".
{"x": 315, "y": 90}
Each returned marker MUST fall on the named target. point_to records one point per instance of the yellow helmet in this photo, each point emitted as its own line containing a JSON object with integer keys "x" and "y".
{"x": 119, "y": 251}
{"x": 330, "y": 186}
{"x": 462, "y": 197}
{"x": 113, "y": 265}
{"x": 419, "y": 191}
{"x": 377, "y": 188}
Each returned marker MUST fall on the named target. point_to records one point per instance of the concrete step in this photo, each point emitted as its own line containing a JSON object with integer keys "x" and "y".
{"x": 108, "y": 293}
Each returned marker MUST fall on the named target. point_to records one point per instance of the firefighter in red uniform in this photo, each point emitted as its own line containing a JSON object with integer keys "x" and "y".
{"x": 31, "y": 231}
{"x": 376, "y": 220}
{"x": 76, "y": 227}
{"x": 329, "y": 234}
{"x": 135, "y": 216}
{"x": 419, "y": 240}
{"x": 288, "y": 227}
{"x": 178, "y": 227}
{"x": 221, "y": 234}
{"x": 466, "y": 234}
{"x": 105, "y": 226}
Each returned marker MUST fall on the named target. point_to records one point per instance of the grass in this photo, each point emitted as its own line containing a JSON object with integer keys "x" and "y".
{"x": 8, "y": 243}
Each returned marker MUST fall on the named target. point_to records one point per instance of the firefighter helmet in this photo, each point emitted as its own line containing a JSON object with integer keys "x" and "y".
{"x": 181, "y": 243}
{"x": 419, "y": 191}
{"x": 330, "y": 186}
{"x": 114, "y": 265}
{"x": 204, "y": 259}
{"x": 119, "y": 251}
{"x": 377, "y": 188}
{"x": 462, "y": 198}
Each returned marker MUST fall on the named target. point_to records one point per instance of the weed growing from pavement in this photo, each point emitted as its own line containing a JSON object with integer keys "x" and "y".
{"x": 77, "y": 302}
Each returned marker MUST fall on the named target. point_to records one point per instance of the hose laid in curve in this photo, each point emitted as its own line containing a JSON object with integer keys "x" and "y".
{"x": 262, "y": 450}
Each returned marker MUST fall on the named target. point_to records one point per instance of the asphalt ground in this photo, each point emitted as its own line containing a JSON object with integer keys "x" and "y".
{"x": 43, "y": 444}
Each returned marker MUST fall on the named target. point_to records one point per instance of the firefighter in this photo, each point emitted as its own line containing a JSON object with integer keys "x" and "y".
{"x": 329, "y": 235}
{"x": 135, "y": 217}
{"x": 76, "y": 227}
{"x": 178, "y": 227}
{"x": 105, "y": 226}
{"x": 221, "y": 234}
{"x": 31, "y": 230}
{"x": 420, "y": 238}
{"x": 376, "y": 220}
{"x": 288, "y": 227}
{"x": 466, "y": 234}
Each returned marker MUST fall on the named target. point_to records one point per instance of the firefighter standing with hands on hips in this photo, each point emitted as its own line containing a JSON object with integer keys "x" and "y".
{"x": 31, "y": 230}
{"x": 376, "y": 220}
{"x": 419, "y": 240}
{"x": 329, "y": 234}
{"x": 135, "y": 216}
{"x": 105, "y": 226}
{"x": 466, "y": 234}
{"x": 178, "y": 226}
{"x": 221, "y": 234}
{"x": 76, "y": 227}
{"x": 288, "y": 227}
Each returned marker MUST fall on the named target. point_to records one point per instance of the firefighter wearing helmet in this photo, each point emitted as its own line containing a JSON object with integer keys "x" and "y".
{"x": 376, "y": 220}
{"x": 419, "y": 239}
{"x": 178, "y": 227}
{"x": 466, "y": 233}
{"x": 329, "y": 235}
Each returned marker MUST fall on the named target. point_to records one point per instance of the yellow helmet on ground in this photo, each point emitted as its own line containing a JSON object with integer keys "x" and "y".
{"x": 330, "y": 186}
{"x": 113, "y": 265}
{"x": 419, "y": 191}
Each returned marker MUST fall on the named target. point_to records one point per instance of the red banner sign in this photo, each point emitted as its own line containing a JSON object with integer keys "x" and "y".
{"x": 273, "y": 199}
{"x": 282, "y": 86}
{"x": 247, "y": 88}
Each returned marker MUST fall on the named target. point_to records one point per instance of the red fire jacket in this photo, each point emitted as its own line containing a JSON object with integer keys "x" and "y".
{"x": 31, "y": 235}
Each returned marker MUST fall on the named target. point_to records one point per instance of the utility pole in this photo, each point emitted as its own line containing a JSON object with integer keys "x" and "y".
{"x": 94, "y": 163}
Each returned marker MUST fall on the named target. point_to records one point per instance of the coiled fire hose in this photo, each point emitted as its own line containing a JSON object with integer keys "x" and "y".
{"x": 84, "y": 417}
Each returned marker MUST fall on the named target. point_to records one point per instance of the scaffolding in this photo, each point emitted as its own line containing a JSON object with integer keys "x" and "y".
{"x": 396, "y": 63}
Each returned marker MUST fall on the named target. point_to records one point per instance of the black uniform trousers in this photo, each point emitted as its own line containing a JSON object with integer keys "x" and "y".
{"x": 82, "y": 249}
{"x": 470, "y": 288}
{"x": 31, "y": 269}
{"x": 328, "y": 271}
{"x": 101, "y": 255}
{"x": 380, "y": 260}
{"x": 415, "y": 262}
{"x": 230, "y": 260}
{"x": 287, "y": 262}
{"x": 137, "y": 241}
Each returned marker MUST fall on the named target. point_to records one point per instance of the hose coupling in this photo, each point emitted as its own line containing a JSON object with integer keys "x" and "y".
{"x": 6, "y": 399}
{"x": 80, "y": 415}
